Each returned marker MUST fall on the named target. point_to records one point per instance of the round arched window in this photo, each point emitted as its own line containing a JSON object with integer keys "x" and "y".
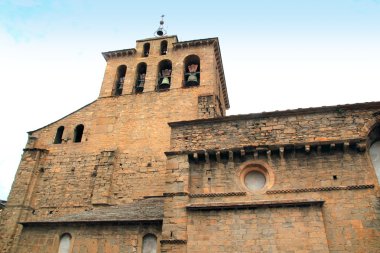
{"x": 255, "y": 180}
{"x": 374, "y": 152}
{"x": 64, "y": 243}
{"x": 256, "y": 177}
{"x": 149, "y": 244}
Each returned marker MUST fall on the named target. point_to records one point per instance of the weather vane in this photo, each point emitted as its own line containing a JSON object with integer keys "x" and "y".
{"x": 160, "y": 31}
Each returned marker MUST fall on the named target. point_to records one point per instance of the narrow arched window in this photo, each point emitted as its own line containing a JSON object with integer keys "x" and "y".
{"x": 146, "y": 49}
{"x": 192, "y": 71}
{"x": 149, "y": 244}
{"x": 58, "y": 135}
{"x": 374, "y": 150}
{"x": 78, "y": 133}
{"x": 140, "y": 77}
{"x": 164, "y": 75}
{"x": 164, "y": 47}
{"x": 64, "y": 243}
{"x": 118, "y": 88}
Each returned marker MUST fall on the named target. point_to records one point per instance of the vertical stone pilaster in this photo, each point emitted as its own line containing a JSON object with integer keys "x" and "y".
{"x": 19, "y": 200}
{"x": 174, "y": 229}
{"x": 103, "y": 178}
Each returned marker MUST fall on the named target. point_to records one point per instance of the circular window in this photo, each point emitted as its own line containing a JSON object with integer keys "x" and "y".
{"x": 256, "y": 177}
{"x": 255, "y": 180}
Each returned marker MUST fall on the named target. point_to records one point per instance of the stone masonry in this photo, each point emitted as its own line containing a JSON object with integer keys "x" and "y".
{"x": 167, "y": 163}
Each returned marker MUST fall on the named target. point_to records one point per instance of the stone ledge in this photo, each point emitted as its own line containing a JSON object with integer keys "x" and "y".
{"x": 172, "y": 194}
{"x": 173, "y": 241}
{"x": 35, "y": 149}
{"x": 119, "y": 53}
{"x": 220, "y": 194}
{"x": 331, "y": 188}
{"x": 253, "y": 205}
{"x": 344, "y": 145}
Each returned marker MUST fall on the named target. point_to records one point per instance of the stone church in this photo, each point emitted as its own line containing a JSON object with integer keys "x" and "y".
{"x": 155, "y": 165}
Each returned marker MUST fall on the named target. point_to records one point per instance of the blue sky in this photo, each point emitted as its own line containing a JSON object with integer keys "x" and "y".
{"x": 277, "y": 54}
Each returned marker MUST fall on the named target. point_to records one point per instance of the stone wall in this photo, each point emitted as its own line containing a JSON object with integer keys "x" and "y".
{"x": 315, "y": 155}
{"x": 101, "y": 238}
{"x": 260, "y": 230}
{"x": 276, "y": 128}
{"x": 344, "y": 180}
{"x": 121, "y": 155}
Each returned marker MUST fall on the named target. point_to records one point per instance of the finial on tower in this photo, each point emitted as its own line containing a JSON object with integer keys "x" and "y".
{"x": 160, "y": 31}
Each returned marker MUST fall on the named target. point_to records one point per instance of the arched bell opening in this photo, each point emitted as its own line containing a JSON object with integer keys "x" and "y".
{"x": 164, "y": 75}
{"x": 164, "y": 47}
{"x": 140, "y": 77}
{"x": 118, "y": 88}
{"x": 374, "y": 149}
{"x": 192, "y": 71}
{"x": 146, "y": 49}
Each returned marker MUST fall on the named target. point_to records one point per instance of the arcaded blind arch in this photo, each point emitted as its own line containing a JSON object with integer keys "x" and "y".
{"x": 149, "y": 244}
{"x": 64, "y": 243}
{"x": 58, "y": 135}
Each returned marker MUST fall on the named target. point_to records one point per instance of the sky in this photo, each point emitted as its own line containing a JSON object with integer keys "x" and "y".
{"x": 277, "y": 55}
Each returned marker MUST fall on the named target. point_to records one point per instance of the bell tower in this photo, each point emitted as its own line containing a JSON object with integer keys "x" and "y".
{"x": 189, "y": 74}
{"x": 112, "y": 151}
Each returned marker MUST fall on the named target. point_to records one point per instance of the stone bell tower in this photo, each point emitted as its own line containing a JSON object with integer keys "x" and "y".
{"x": 111, "y": 151}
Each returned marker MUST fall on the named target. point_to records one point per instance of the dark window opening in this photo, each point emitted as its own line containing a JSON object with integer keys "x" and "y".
{"x": 164, "y": 47}
{"x": 58, "y": 135}
{"x": 146, "y": 50}
{"x": 164, "y": 75}
{"x": 121, "y": 71}
{"x": 140, "y": 80}
{"x": 78, "y": 133}
{"x": 192, "y": 71}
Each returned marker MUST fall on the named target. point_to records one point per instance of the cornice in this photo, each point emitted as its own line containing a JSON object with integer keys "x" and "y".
{"x": 119, "y": 53}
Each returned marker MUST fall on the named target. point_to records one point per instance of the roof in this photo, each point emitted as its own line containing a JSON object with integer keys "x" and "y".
{"x": 2, "y": 203}
{"x": 150, "y": 209}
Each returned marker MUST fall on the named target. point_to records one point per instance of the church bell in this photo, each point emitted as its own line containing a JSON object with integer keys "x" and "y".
{"x": 165, "y": 82}
{"x": 192, "y": 79}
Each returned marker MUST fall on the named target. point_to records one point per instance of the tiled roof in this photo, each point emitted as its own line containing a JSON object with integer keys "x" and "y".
{"x": 142, "y": 210}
